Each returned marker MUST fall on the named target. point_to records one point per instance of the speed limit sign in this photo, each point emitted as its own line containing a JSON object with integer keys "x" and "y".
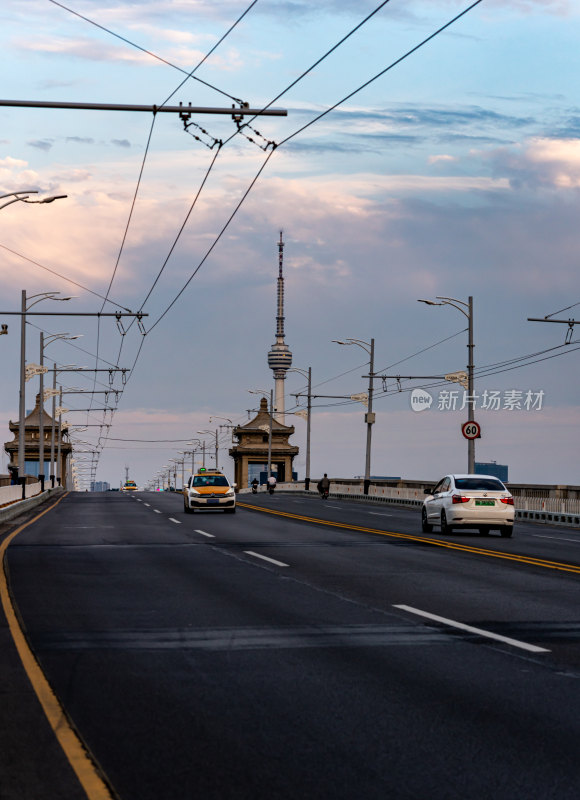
{"x": 471, "y": 430}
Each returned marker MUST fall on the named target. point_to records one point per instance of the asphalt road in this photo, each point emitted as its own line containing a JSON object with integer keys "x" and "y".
{"x": 266, "y": 655}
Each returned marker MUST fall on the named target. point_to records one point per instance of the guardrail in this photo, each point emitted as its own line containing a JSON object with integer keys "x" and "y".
{"x": 547, "y": 510}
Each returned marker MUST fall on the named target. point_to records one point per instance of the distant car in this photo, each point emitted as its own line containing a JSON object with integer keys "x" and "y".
{"x": 209, "y": 489}
{"x": 468, "y": 501}
{"x": 129, "y": 486}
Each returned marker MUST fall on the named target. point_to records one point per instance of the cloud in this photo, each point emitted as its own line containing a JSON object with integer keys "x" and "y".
{"x": 439, "y": 158}
{"x": 539, "y": 163}
{"x": 121, "y": 142}
{"x": 80, "y": 139}
{"x": 41, "y": 144}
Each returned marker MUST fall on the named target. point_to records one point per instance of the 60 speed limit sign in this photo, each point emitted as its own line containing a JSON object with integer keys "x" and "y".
{"x": 471, "y": 430}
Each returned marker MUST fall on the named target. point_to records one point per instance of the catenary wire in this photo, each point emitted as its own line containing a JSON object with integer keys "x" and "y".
{"x": 64, "y": 278}
{"x": 142, "y": 49}
{"x": 380, "y": 74}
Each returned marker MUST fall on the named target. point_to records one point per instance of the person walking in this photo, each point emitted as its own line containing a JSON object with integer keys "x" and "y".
{"x": 324, "y": 486}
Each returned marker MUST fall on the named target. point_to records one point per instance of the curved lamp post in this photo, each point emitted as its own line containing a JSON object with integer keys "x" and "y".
{"x": 44, "y": 342}
{"x": 26, "y": 306}
{"x": 467, "y": 310}
{"x": 213, "y": 433}
{"x": 308, "y": 375}
{"x": 23, "y": 197}
{"x": 368, "y": 347}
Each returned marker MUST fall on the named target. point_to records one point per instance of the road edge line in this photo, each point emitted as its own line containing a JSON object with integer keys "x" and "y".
{"x": 76, "y": 752}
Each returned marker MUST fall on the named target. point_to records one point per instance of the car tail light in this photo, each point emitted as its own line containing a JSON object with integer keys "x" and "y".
{"x": 509, "y": 501}
{"x": 458, "y": 498}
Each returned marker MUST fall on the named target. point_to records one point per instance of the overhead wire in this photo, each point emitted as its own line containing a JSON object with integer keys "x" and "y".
{"x": 291, "y": 136}
{"x": 142, "y": 49}
{"x": 304, "y": 127}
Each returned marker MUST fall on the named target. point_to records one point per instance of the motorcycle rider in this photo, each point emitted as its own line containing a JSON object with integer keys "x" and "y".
{"x": 271, "y": 484}
{"x": 324, "y": 486}
{"x": 255, "y": 484}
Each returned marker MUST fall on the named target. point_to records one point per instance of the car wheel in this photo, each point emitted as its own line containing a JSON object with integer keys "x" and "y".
{"x": 506, "y": 532}
{"x": 484, "y": 531}
{"x": 445, "y": 528}
{"x": 230, "y": 510}
{"x": 424, "y": 524}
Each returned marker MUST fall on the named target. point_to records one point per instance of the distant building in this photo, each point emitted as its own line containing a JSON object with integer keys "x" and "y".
{"x": 100, "y": 486}
{"x": 492, "y": 468}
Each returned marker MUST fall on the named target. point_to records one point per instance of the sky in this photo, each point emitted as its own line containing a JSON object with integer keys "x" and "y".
{"x": 451, "y": 172}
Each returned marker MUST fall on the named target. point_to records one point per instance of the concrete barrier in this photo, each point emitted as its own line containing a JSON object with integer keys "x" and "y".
{"x": 21, "y": 506}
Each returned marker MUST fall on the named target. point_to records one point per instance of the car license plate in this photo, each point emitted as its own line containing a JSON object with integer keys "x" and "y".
{"x": 212, "y": 502}
{"x": 485, "y": 502}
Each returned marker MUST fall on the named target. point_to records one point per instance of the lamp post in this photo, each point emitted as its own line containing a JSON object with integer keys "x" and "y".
{"x": 307, "y": 374}
{"x": 467, "y": 310}
{"x": 26, "y": 306}
{"x": 264, "y": 392}
{"x": 216, "y": 445}
{"x": 368, "y": 347}
{"x": 44, "y": 342}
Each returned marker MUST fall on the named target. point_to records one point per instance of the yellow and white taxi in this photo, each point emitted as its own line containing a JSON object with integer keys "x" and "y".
{"x": 129, "y": 486}
{"x": 209, "y": 489}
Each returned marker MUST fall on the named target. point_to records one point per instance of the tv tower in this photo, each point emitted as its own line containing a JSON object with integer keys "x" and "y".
{"x": 280, "y": 357}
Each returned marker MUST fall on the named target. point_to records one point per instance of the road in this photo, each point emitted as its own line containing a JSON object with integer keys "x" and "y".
{"x": 268, "y": 655}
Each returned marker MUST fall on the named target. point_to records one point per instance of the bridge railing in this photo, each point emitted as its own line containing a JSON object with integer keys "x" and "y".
{"x": 11, "y": 494}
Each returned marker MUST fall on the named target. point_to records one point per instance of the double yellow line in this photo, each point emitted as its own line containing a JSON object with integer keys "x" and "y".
{"x": 75, "y": 751}
{"x": 530, "y": 560}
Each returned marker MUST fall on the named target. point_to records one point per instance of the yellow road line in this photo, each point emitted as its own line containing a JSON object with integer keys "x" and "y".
{"x": 530, "y": 560}
{"x": 75, "y": 751}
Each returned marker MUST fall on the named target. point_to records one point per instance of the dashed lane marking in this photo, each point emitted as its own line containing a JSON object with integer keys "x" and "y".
{"x": 265, "y": 558}
{"x": 177, "y": 522}
{"x": 203, "y": 533}
{"x": 531, "y": 648}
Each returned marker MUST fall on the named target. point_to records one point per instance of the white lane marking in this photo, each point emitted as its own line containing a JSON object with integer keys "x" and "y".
{"x": 532, "y": 648}
{"x": 265, "y": 558}
{"x": 138, "y": 499}
{"x": 329, "y": 506}
{"x": 147, "y": 504}
{"x": 203, "y": 533}
{"x": 561, "y": 538}
{"x": 157, "y": 511}
{"x": 177, "y": 522}
{"x": 379, "y": 514}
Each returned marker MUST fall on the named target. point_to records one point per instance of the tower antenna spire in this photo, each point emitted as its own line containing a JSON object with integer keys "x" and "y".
{"x": 280, "y": 357}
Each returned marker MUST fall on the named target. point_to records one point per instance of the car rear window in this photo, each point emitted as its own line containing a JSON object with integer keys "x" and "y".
{"x": 479, "y": 484}
{"x": 210, "y": 480}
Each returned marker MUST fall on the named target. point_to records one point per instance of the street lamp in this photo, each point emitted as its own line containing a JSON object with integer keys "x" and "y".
{"x": 44, "y": 342}
{"x": 26, "y": 306}
{"x": 23, "y": 197}
{"x": 467, "y": 310}
{"x": 216, "y": 444}
{"x": 307, "y": 374}
{"x": 368, "y": 347}
{"x": 264, "y": 392}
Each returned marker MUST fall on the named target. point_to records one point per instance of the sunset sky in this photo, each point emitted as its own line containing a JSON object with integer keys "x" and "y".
{"x": 455, "y": 173}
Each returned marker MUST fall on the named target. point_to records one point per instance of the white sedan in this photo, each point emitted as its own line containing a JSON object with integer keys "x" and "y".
{"x": 468, "y": 501}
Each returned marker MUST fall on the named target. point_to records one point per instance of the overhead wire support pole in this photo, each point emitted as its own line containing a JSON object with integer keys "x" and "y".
{"x": 234, "y": 111}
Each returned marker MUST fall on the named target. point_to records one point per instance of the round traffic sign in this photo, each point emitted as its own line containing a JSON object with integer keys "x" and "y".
{"x": 471, "y": 430}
